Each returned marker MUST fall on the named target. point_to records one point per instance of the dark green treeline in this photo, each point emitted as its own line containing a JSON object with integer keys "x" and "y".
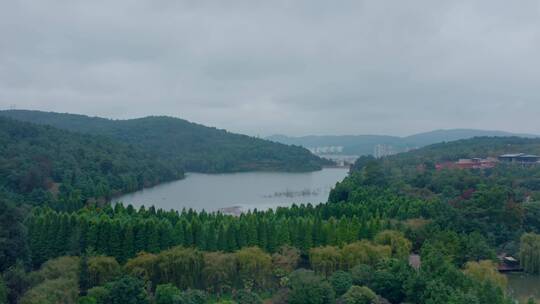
{"x": 122, "y": 232}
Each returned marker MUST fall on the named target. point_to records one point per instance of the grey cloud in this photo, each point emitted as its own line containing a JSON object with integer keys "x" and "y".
{"x": 294, "y": 67}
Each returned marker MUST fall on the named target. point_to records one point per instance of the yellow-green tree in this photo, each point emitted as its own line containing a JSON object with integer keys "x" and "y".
{"x": 401, "y": 246}
{"x": 102, "y": 269}
{"x": 529, "y": 252}
{"x": 254, "y": 267}
{"x": 143, "y": 266}
{"x": 325, "y": 260}
{"x": 219, "y": 271}
{"x": 363, "y": 252}
{"x": 181, "y": 267}
{"x": 56, "y": 282}
{"x": 360, "y": 295}
{"x": 485, "y": 271}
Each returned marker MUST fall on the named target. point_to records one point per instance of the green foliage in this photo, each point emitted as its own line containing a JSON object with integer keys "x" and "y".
{"x": 493, "y": 202}
{"x": 486, "y": 271}
{"x": 194, "y": 296}
{"x": 122, "y": 232}
{"x": 364, "y": 252}
{"x": 254, "y": 267}
{"x": 3, "y": 291}
{"x": 362, "y": 274}
{"x": 84, "y": 276}
{"x": 219, "y": 273}
{"x": 17, "y": 282}
{"x": 184, "y": 144}
{"x": 247, "y": 297}
{"x": 285, "y": 260}
{"x": 306, "y": 287}
{"x": 126, "y": 290}
{"x": 99, "y": 294}
{"x": 400, "y": 245}
{"x": 55, "y": 282}
{"x": 529, "y": 252}
{"x": 47, "y": 165}
{"x": 341, "y": 282}
{"x": 167, "y": 294}
{"x": 12, "y": 235}
{"x": 87, "y": 300}
{"x": 325, "y": 260}
{"x": 102, "y": 269}
{"x": 61, "y": 290}
{"x": 360, "y": 295}
{"x": 375, "y": 217}
{"x": 181, "y": 267}
{"x": 389, "y": 280}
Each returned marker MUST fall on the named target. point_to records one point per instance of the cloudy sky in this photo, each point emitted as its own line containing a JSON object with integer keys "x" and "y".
{"x": 292, "y": 67}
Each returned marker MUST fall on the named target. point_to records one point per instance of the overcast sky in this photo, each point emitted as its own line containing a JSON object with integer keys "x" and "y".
{"x": 266, "y": 67}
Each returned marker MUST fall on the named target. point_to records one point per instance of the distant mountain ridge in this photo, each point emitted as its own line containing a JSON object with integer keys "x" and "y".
{"x": 366, "y": 144}
{"x": 198, "y": 148}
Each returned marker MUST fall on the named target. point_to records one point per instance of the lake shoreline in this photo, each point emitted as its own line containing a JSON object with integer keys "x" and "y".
{"x": 228, "y": 191}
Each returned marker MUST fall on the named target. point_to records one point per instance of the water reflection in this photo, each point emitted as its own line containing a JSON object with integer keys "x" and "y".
{"x": 240, "y": 191}
{"x": 523, "y": 286}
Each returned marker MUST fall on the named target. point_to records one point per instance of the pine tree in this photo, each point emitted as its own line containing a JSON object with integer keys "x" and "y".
{"x": 189, "y": 235}
{"x": 283, "y": 233}
{"x": 38, "y": 243}
{"x": 222, "y": 239}
{"x": 211, "y": 237}
{"x": 140, "y": 237}
{"x": 115, "y": 241}
{"x": 152, "y": 237}
{"x": 231, "y": 238}
{"x": 128, "y": 249}
{"x": 179, "y": 234}
{"x": 92, "y": 236}
{"x": 262, "y": 238}
{"x": 165, "y": 235}
{"x": 241, "y": 236}
{"x": 252, "y": 233}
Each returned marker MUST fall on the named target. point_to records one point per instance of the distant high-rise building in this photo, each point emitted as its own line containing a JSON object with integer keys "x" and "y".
{"x": 382, "y": 150}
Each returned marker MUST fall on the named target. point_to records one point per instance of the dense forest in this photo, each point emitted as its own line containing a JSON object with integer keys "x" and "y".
{"x": 353, "y": 249}
{"x": 500, "y": 202}
{"x": 196, "y": 147}
{"x": 42, "y": 165}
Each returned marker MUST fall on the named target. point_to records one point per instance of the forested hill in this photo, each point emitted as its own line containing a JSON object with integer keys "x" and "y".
{"x": 481, "y": 147}
{"x": 500, "y": 202}
{"x": 46, "y": 165}
{"x": 197, "y": 147}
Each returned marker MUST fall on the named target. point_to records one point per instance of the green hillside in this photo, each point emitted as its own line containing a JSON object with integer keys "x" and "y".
{"x": 42, "y": 164}
{"x": 197, "y": 147}
{"x": 501, "y": 202}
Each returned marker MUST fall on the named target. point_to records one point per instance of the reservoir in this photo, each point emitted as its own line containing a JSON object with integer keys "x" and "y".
{"x": 236, "y": 192}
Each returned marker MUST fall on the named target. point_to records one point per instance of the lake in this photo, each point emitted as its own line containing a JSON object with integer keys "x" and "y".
{"x": 235, "y": 192}
{"x": 522, "y": 286}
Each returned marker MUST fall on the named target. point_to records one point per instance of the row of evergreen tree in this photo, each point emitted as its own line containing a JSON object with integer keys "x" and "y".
{"x": 123, "y": 232}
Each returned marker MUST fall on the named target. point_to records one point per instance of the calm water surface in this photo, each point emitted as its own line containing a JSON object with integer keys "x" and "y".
{"x": 523, "y": 286}
{"x": 261, "y": 190}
